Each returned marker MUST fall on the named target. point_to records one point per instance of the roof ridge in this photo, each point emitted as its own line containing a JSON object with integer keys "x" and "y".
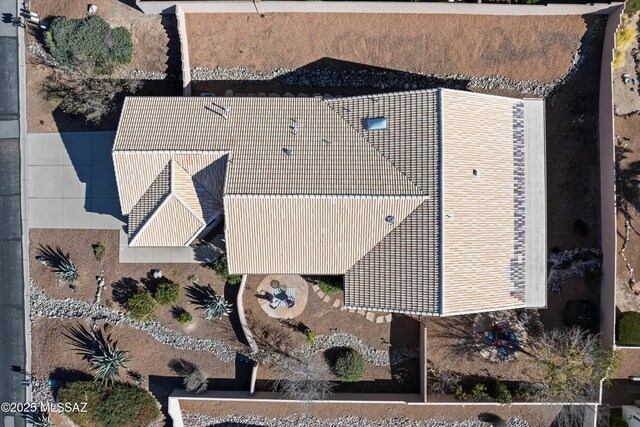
{"x": 193, "y": 177}
{"x": 361, "y": 136}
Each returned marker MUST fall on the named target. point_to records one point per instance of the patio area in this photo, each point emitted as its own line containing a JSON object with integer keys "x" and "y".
{"x": 283, "y": 297}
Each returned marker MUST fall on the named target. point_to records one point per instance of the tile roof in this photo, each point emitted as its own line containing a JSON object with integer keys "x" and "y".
{"x": 306, "y": 189}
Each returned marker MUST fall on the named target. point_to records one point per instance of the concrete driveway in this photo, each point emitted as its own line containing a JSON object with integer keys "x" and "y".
{"x": 72, "y": 182}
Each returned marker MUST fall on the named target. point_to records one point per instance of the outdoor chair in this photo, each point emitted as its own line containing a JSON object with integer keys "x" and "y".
{"x": 502, "y": 350}
{"x": 274, "y": 303}
{"x": 512, "y": 336}
{"x": 490, "y": 336}
{"x": 290, "y": 301}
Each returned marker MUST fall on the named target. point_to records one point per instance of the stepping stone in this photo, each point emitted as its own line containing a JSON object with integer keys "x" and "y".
{"x": 337, "y": 303}
{"x": 343, "y": 308}
{"x": 361, "y": 312}
{"x": 320, "y": 294}
{"x": 379, "y": 319}
{"x": 315, "y": 288}
{"x": 370, "y": 316}
{"x": 228, "y": 92}
{"x": 251, "y": 95}
{"x": 388, "y": 317}
{"x": 351, "y": 310}
{"x": 274, "y": 95}
{"x": 317, "y": 94}
{"x": 327, "y": 298}
{"x": 261, "y": 94}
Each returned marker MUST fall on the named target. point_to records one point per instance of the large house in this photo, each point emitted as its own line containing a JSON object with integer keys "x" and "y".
{"x": 428, "y": 202}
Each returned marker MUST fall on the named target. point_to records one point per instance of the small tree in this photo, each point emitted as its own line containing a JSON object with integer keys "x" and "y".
{"x": 574, "y": 363}
{"x": 221, "y": 267}
{"x": 459, "y": 393}
{"x": 167, "y": 292}
{"x": 629, "y": 328}
{"x": 184, "y": 317}
{"x": 142, "y": 306}
{"x": 303, "y": 380}
{"x": 349, "y": 365}
{"x": 195, "y": 382}
{"x": 330, "y": 285}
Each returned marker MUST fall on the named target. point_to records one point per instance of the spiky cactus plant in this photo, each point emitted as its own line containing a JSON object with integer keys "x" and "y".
{"x": 67, "y": 271}
{"x": 216, "y": 306}
{"x": 108, "y": 362}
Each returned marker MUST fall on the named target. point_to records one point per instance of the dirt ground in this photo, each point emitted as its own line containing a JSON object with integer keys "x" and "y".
{"x": 626, "y": 299}
{"x": 520, "y": 48}
{"x": 537, "y": 416}
{"x": 154, "y": 43}
{"x": 400, "y": 334}
{"x": 121, "y": 279}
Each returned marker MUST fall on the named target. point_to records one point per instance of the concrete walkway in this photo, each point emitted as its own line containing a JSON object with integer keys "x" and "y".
{"x": 72, "y": 182}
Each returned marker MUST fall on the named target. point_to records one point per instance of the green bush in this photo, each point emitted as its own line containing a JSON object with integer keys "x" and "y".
{"x": 582, "y": 314}
{"x": 142, "y": 306}
{"x": 117, "y": 405}
{"x": 479, "y": 392}
{"x": 629, "y": 328}
{"x": 310, "y": 335}
{"x": 89, "y": 42}
{"x": 221, "y": 267}
{"x": 501, "y": 393}
{"x": 618, "y": 421}
{"x": 167, "y": 292}
{"x": 349, "y": 365}
{"x": 330, "y": 285}
{"x": 459, "y": 393}
{"x": 98, "y": 251}
{"x": 185, "y": 317}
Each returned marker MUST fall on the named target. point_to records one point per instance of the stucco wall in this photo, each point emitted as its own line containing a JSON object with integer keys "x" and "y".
{"x": 153, "y": 7}
{"x": 607, "y": 183}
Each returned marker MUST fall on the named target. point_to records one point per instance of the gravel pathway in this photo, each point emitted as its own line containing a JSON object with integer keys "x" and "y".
{"x": 198, "y": 420}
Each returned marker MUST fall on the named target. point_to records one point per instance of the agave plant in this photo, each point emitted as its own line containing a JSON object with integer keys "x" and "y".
{"x": 67, "y": 271}
{"x": 216, "y": 306}
{"x": 108, "y": 362}
{"x": 39, "y": 419}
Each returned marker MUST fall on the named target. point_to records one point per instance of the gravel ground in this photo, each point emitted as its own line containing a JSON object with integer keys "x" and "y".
{"x": 198, "y": 420}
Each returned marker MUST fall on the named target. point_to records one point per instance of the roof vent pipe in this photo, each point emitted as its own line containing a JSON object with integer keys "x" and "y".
{"x": 287, "y": 151}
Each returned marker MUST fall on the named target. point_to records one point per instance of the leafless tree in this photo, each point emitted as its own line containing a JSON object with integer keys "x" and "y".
{"x": 81, "y": 91}
{"x": 573, "y": 362}
{"x": 303, "y": 380}
{"x": 443, "y": 381}
{"x": 271, "y": 337}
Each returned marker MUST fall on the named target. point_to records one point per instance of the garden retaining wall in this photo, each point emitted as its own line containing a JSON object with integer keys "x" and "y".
{"x": 154, "y": 7}
{"x": 607, "y": 183}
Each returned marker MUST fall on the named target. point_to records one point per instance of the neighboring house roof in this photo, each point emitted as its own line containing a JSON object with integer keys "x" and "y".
{"x": 426, "y": 214}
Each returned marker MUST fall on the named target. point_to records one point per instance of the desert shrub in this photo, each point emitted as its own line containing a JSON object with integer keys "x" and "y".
{"x": 141, "y": 305}
{"x": 221, "y": 267}
{"x": 624, "y": 37}
{"x": 632, "y": 6}
{"x": 98, "y": 251}
{"x": 108, "y": 328}
{"x": 349, "y": 365}
{"x": 582, "y": 314}
{"x": 501, "y": 393}
{"x": 167, "y": 292}
{"x": 184, "y": 317}
{"x": 117, "y": 405}
{"x": 629, "y": 328}
{"x": 479, "y": 392}
{"x": 89, "y": 41}
{"x": 459, "y": 393}
{"x": 330, "y": 285}
{"x": 193, "y": 279}
{"x": 618, "y": 58}
{"x": 195, "y": 382}
{"x": 443, "y": 381}
{"x": 310, "y": 335}
{"x": 618, "y": 421}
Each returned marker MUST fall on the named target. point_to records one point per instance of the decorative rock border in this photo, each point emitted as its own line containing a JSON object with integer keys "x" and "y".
{"x": 199, "y": 420}
{"x": 337, "y": 303}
